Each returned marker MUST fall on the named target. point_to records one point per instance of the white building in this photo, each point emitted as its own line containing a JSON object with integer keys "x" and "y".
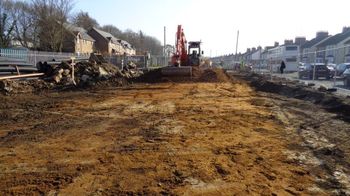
{"x": 287, "y": 53}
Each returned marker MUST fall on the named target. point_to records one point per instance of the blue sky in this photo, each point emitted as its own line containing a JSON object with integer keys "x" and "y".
{"x": 215, "y": 22}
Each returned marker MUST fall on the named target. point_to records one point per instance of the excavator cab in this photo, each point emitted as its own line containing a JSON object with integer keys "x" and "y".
{"x": 194, "y": 53}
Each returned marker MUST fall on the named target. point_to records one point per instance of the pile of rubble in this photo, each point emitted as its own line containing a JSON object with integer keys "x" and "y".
{"x": 87, "y": 73}
{"x": 24, "y": 86}
{"x": 66, "y": 74}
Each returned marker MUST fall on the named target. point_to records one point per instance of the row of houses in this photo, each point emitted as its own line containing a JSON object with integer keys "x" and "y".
{"x": 81, "y": 41}
{"x": 323, "y": 48}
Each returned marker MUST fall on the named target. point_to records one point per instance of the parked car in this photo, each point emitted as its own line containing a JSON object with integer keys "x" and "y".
{"x": 307, "y": 70}
{"x": 346, "y": 77}
{"x": 340, "y": 68}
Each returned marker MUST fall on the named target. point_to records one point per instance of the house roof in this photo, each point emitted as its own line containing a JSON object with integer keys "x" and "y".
{"x": 314, "y": 42}
{"x": 247, "y": 53}
{"x": 335, "y": 39}
{"x": 113, "y": 39}
{"x": 267, "y": 48}
{"x": 127, "y": 44}
{"x": 107, "y": 36}
{"x": 75, "y": 30}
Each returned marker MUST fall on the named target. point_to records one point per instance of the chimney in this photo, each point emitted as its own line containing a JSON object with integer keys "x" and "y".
{"x": 253, "y": 49}
{"x": 259, "y": 47}
{"x": 346, "y": 29}
{"x": 288, "y": 42}
{"x": 300, "y": 41}
{"x": 276, "y": 44}
{"x": 321, "y": 34}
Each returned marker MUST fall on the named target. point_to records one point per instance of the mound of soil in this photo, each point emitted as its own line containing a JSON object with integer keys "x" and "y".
{"x": 30, "y": 86}
{"x": 198, "y": 75}
{"x": 290, "y": 89}
{"x": 152, "y": 76}
{"x": 212, "y": 75}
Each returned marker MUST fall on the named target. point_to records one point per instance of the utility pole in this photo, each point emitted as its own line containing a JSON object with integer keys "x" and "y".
{"x": 237, "y": 45}
{"x": 164, "y": 52}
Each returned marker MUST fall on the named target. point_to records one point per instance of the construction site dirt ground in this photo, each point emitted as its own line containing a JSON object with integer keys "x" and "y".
{"x": 169, "y": 138}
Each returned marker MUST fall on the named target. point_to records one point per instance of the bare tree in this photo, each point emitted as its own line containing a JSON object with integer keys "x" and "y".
{"x": 113, "y": 30}
{"x": 7, "y": 23}
{"x": 25, "y": 28}
{"x": 153, "y": 45}
{"x": 143, "y": 42}
{"x": 50, "y": 15}
{"x": 82, "y": 19}
{"x": 40, "y": 24}
{"x": 139, "y": 40}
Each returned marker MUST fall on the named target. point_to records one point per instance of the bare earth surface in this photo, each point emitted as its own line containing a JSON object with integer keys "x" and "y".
{"x": 171, "y": 138}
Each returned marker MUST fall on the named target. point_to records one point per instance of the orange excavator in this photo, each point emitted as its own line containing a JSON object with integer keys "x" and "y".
{"x": 185, "y": 57}
{"x": 182, "y": 56}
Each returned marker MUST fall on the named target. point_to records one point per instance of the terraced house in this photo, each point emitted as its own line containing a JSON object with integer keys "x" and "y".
{"x": 106, "y": 43}
{"x": 128, "y": 48}
{"x": 309, "y": 48}
{"x": 77, "y": 40}
{"x": 335, "y": 49}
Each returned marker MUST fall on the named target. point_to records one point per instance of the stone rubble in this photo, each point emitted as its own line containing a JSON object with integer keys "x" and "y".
{"x": 86, "y": 74}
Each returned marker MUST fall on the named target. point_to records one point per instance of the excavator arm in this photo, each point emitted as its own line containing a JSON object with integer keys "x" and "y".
{"x": 180, "y": 58}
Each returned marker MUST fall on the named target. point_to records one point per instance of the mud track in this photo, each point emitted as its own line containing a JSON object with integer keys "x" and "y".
{"x": 171, "y": 139}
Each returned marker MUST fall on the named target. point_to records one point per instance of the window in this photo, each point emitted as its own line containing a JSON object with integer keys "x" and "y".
{"x": 330, "y": 59}
{"x": 342, "y": 66}
{"x": 293, "y": 59}
{"x": 330, "y": 50}
{"x": 291, "y": 48}
{"x": 347, "y": 59}
{"x": 330, "y": 53}
{"x": 319, "y": 60}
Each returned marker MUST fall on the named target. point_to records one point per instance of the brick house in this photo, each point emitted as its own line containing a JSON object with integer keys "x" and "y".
{"x": 76, "y": 40}
{"x": 106, "y": 43}
{"x": 128, "y": 48}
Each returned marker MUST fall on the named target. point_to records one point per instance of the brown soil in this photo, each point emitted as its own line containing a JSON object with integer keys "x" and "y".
{"x": 190, "y": 138}
{"x": 198, "y": 75}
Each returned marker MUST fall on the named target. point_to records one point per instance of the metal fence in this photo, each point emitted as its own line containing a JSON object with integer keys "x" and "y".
{"x": 33, "y": 57}
{"x": 157, "y": 60}
{"x": 321, "y": 67}
{"x": 142, "y": 61}
{"x": 330, "y": 55}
